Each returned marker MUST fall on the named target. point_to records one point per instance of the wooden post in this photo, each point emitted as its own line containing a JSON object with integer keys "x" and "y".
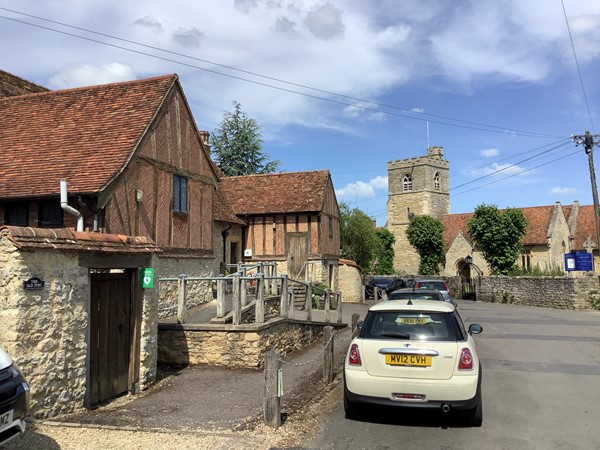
{"x": 243, "y": 289}
{"x": 272, "y": 400}
{"x": 328, "y": 355}
{"x": 339, "y": 306}
{"x": 220, "y": 298}
{"x": 290, "y": 307}
{"x": 276, "y": 280}
{"x": 283, "y": 304}
{"x": 327, "y": 305}
{"x": 181, "y": 303}
{"x": 308, "y": 302}
{"x": 236, "y": 307}
{"x": 259, "y": 307}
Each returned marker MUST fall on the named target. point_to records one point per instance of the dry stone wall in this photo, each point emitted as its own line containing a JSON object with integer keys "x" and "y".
{"x": 561, "y": 293}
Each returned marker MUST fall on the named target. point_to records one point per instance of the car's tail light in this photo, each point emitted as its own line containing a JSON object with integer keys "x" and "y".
{"x": 417, "y": 285}
{"x": 354, "y": 356}
{"x": 466, "y": 360}
{"x": 446, "y": 286}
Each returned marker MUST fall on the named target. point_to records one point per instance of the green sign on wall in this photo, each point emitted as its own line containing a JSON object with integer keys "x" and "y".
{"x": 148, "y": 278}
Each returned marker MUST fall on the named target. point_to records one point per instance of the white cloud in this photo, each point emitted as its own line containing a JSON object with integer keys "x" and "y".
{"x": 489, "y": 152}
{"x": 360, "y": 189}
{"x": 325, "y": 22}
{"x": 87, "y": 75}
{"x": 149, "y": 22}
{"x": 563, "y": 191}
{"x": 364, "y": 111}
{"x": 499, "y": 169}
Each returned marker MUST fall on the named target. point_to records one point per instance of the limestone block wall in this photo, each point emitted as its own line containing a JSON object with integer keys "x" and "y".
{"x": 45, "y": 330}
{"x": 242, "y": 346}
{"x": 350, "y": 283}
{"x": 549, "y": 292}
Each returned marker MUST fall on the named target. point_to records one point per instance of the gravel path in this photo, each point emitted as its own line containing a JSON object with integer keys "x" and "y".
{"x": 68, "y": 437}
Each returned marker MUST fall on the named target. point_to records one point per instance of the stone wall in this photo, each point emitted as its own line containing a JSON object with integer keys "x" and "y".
{"x": 44, "y": 331}
{"x": 350, "y": 283}
{"x": 240, "y": 346}
{"x": 549, "y": 292}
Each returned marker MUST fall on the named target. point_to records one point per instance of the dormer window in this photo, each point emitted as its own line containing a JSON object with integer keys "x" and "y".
{"x": 407, "y": 182}
{"x": 436, "y": 181}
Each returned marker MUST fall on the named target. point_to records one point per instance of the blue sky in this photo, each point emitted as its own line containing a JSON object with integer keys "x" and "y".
{"x": 348, "y": 86}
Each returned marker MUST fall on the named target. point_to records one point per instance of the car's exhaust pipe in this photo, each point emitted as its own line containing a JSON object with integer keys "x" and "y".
{"x": 445, "y": 407}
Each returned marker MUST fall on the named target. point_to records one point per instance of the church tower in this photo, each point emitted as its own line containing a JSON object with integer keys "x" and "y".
{"x": 416, "y": 186}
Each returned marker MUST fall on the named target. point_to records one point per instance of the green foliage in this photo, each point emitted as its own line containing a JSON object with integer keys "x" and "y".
{"x": 426, "y": 235}
{"x": 318, "y": 294}
{"x": 498, "y": 235}
{"x": 553, "y": 271}
{"x": 237, "y": 145}
{"x": 359, "y": 241}
{"x": 594, "y": 297}
{"x": 385, "y": 259}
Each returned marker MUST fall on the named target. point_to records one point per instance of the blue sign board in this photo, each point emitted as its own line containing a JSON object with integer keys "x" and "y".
{"x": 581, "y": 261}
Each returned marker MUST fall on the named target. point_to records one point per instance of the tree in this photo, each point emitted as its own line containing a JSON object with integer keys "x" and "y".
{"x": 498, "y": 235}
{"x": 237, "y": 145}
{"x": 385, "y": 259}
{"x": 426, "y": 235}
{"x": 359, "y": 242}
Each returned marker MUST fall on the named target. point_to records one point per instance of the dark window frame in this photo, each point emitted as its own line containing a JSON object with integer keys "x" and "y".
{"x": 54, "y": 222}
{"x": 180, "y": 194}
{"x": 9, "y": 214}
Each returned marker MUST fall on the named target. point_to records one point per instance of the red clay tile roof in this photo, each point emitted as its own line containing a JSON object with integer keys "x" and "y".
{"x": 11, "y": 85}
{"x": 79, "y": 241}
{"x": 454, "y": 224}
{"x": 290, "y": 192}
{"x": 538, "y": 222}
{"x": 85, "y": 135}
{"x": 586, "y": 227}
{"x": 223, "y": 211}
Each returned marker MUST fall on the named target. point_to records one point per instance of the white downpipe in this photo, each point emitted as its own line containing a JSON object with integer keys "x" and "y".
{"x": 64, "y": 204}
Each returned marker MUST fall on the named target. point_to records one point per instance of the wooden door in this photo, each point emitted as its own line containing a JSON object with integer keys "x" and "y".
{"x": 297, "y": 254}
{"x": 110, "y": 335}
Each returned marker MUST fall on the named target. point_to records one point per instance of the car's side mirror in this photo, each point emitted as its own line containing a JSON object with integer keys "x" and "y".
{"x": 475, "y": 328}
{"x": 360, "y": 324}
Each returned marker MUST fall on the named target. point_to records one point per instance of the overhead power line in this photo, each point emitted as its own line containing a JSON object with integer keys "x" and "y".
{"x": 577, "y": 65}
{"x": 414, "y": 115}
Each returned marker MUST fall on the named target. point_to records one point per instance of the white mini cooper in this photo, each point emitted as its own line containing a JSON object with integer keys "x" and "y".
{"x": 414, "y": 355}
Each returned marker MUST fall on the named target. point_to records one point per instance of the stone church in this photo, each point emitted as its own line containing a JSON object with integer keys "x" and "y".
{"x": 420, "y": 186}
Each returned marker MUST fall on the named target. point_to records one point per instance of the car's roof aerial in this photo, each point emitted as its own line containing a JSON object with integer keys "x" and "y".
{"x": 407, "y": 305}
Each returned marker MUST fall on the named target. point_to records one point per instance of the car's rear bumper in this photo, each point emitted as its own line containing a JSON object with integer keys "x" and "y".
{"x": 459, "y": 392}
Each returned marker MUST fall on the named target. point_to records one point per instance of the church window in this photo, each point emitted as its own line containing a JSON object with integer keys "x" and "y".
{"x": 436, "y": 181}
{"x": 407, "y": 182}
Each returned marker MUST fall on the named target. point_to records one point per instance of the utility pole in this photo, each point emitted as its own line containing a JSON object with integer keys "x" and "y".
{"x": 588, "y": 142}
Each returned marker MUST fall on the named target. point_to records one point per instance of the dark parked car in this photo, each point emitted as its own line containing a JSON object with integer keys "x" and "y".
{"x": 416, "y": 294}
{"x": 14, "y": 399}
{"x": 379, "y": 281}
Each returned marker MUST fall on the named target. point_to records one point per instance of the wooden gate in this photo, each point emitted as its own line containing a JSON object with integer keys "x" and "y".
{"x": 297, "y": 254}
{"x": 111, "y": 325}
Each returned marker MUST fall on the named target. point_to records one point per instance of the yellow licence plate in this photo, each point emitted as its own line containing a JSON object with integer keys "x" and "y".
{"x": 395, "y": 359}
{"x": 413, "y": 320}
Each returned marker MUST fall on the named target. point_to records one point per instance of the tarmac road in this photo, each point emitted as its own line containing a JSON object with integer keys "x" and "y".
{"x": 541, "y": 375}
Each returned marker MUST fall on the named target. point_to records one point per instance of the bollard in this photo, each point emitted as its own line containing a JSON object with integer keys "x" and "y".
{"x": 272, "y": 400}
{"x": 328, "y": 355}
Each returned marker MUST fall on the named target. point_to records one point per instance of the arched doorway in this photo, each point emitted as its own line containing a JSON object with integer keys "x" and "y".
{"x": 468, "y": 273}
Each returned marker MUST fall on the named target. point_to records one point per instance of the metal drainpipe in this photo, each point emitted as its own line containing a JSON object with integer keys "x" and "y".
{"x": 64, "y": 204}
{"x": 224, "y": 235}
